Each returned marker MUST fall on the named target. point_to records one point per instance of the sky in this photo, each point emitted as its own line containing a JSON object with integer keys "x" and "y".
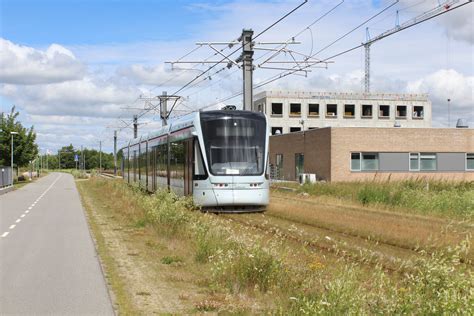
{"x": 75, "y": 69}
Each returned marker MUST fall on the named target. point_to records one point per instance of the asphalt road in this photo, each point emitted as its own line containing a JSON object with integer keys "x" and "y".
{"x": 48, "y": 263}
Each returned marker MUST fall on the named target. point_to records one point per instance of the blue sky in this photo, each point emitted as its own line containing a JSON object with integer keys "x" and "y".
{"x": 73, "y": 66}
{"x": 94, "y": 22}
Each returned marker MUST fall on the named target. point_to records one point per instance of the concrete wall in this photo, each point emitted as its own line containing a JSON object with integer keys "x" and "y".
{"x": 264, "y": 102}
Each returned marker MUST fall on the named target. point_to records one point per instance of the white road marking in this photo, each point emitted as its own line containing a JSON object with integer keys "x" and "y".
{"x": 5, "y": 234}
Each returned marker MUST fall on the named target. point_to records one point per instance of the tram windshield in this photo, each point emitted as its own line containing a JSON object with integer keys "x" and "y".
{"x": 234, "y": 142}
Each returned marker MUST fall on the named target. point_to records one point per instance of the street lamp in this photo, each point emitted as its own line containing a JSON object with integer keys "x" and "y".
{"x": 12, "y": 133}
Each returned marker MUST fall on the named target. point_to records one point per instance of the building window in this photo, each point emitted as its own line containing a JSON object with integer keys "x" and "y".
{"x": 277, "y": 109}
{"x": 313, "y": 110}
{"x": 295, "y": 109}
{"x": 295, "y": 129}
{"x": 355, "y": 161}
{"x": 422, "y": 161}
{"x": 418, "y": 112}
{"x": 260, "y": 108}
{"x": 349, "y": 110}
{"x": 299, "y": 165}
{"x": 331, "y": 110}
{"x": 279, "y": 166}
{"x": 366, "y": 110}
{"x": 470, "y": 161}
{"x": 414, "y": 162}
{"x": 427, "y": 161}
{"x": 364, "y": 161}
{"x": 370, "y": 161}
{"x": 384, "y": 111}
{"x": 401, "y": 111}
{"x": 277, "y": 130}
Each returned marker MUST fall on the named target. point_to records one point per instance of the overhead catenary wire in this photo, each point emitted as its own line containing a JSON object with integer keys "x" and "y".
{"x": 236, "y": 50}
{"x": 308, "y": 27}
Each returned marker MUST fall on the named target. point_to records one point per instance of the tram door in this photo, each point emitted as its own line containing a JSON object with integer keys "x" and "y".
{"x": 188, "y": 167}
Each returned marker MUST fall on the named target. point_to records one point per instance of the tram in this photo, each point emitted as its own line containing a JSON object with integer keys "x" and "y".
{"x": 220, "y": 158}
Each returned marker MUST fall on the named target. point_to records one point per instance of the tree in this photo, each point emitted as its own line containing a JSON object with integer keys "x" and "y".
{"x": 24, "y": 147}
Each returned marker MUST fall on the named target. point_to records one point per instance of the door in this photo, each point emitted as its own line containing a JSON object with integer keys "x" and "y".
{"x": 299, "y": 165}
{"x": 188, "y": 167}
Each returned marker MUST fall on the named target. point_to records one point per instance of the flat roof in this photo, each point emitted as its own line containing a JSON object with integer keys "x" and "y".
{"x": 341, "y": 95}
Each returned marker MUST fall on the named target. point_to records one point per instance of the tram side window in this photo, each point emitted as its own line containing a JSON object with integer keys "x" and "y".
{"x": 161, "y": 161}
{"x": 199, "y": 169}
{"x": 177, "y": 160}
{"x": 134, "y": 164}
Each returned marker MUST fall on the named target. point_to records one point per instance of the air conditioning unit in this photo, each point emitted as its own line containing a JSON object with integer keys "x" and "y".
{"x": 307, "y": 178}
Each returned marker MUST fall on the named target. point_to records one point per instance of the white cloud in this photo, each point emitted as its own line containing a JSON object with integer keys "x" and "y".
{"x": 459, "y": 23}
{"x": 157, "y": 75}
{"x": 90, "y": 97}
{"x": 444, "y": 84}
{"x": 24, "y": 65}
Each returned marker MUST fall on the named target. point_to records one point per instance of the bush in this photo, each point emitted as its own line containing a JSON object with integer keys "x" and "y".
{"x": 239, "y": 268}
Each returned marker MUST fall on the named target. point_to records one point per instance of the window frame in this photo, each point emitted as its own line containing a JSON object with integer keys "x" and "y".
{"x": 314, "y": 115}
{"x": 371, "y": 111}
{"x": 422, "y": 116}
{"x": 466, "y": 168}
{"x": 291, "y": 127}
{"x": 295, "y": 114}
{"x": 276, "y": 128}
{"x": 276, "y": 115}
{"x": 385, "y": 117}
{"x": 417, "y": 159}
{"x": 401, "y": 117}
{"x": 353, "y": 111}
{"x": 327, "y": 111}
{"x": 435, "y": 159}
{"x": 361, "y": 160}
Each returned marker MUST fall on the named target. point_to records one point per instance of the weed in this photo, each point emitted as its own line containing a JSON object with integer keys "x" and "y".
{"x": 171, "y": 260}
{"x": 207, "y": 306}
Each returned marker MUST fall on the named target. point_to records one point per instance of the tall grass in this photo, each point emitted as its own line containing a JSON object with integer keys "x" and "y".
{"x": 426, "y": 197}
{"x": 242, "y": 261}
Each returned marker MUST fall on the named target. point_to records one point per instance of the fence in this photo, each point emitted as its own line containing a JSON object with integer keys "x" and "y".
{"x": 5, "y": 177}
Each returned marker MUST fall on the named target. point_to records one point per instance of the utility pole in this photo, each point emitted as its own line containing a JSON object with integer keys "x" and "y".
{"x": 59, "y": 160}
{"x": 115, "y": 153}
{"x": 135, "y": 126}
{"x": 245, "y": 60}
{"x": 100, "y": 156}
{"x": 449, "y": 112}
{"x": 164, "y": 108}
{"x": 247, "y": 63}
{"x": 81, "y": 164}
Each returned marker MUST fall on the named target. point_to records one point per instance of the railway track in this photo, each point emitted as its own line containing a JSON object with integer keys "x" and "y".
{"x": 359, "y": 245}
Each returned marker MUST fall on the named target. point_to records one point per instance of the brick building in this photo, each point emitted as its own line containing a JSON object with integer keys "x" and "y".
{"x": 367, "y": 153}
{"x": 292, "y": 111}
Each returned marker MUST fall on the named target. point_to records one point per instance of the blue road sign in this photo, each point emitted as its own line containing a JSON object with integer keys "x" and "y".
{"x": 76, "y": 158}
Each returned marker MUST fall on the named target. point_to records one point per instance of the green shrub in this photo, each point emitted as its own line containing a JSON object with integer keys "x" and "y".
{"x": 241, "y": 268}
{"x": 171, "y": 259}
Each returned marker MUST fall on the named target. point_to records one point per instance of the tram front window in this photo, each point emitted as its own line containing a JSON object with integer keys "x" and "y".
{"x": 235, "y": 144}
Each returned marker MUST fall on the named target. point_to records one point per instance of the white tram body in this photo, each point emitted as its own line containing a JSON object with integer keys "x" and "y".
{"x": 218, "y": 157}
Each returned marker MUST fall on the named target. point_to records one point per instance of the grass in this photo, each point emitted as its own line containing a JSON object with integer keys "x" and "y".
{"x": 435, "y": 197}
{"x": 279, "y": 271}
